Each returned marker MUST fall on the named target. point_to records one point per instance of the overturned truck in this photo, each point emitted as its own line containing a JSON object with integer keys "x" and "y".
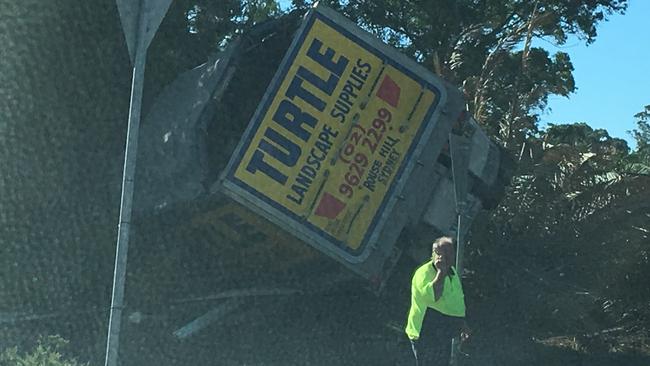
{"x": 310, "y": 132}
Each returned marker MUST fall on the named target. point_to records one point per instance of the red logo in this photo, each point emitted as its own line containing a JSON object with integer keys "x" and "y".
{"x": 329, "y": 206}
{"x": 389, "y": 91}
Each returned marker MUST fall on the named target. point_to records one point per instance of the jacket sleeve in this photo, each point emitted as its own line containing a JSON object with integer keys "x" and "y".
{"x": 427, "y": 290}
{"x": 416, "y": 316}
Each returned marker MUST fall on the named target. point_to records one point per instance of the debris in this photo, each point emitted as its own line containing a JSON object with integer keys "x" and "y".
{"x": 208, "y": 318}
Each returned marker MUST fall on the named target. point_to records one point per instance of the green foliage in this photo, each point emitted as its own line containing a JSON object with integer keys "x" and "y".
{"x": 477, "y": 44}
{"x": 212, "y": 24}
{"x": 483, "y": 46}
{"x": 47, "y": 352}
{"x": 193, "y": 29}
{"x": 586, "y": 139}
{"x": 508, "y": 102}
{"x": 486, "y": 48}
{"x": 642, "y": 132}
{"x": 640, "y": 158}
{"x": 565, "y": 175}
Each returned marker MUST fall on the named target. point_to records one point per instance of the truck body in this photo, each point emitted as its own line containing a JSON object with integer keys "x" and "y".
{"x": 347, "y": 149}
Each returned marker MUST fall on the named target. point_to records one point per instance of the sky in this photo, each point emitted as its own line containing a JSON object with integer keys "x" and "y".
{"x": 612, "y": 74}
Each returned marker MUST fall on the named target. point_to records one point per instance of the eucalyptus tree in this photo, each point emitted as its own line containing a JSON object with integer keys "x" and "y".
{"x": 490, "y": 48}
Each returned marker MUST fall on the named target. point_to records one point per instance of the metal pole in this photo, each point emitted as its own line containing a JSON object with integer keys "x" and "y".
{"x": 460, "y": 149}
{"x": 122, "y": 248}
{"x": 460, "y": 246}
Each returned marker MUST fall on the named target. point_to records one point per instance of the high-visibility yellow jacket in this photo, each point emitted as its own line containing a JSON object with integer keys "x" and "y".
{"x": 451, "y": 303}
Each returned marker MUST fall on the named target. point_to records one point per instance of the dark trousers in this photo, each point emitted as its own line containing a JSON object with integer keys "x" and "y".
{"x": 434, "y": 346}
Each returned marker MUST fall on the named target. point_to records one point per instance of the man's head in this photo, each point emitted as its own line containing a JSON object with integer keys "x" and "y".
{"x": 443, "y": 253}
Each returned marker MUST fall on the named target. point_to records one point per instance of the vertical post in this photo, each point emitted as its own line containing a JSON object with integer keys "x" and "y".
{"x": 460, "y": 247}
{"x": 460, "y": 240}
{"x": 126, "y": 204}
{"x": 460, "y": 148}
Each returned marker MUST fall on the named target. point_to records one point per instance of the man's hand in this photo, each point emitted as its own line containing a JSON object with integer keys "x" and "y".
{"x": 438, "y": 284}
{"x": 465, "y": 332}
{"x": 442, "y": 271}
{"x": 414, "y": 348}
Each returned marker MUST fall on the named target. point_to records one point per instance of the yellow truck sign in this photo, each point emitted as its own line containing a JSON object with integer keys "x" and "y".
{"x": 333, "y": 134}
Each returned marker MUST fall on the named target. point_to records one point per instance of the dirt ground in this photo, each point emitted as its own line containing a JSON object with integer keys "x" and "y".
{"x": 554, "y": 300}
{"x": 524, "y": 314}
{"x": 346, "y": 326}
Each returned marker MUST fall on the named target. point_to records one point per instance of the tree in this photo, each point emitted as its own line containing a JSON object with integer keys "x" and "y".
{"x": 486, "y": 46}
{"x": 47, "y": 352}
{"x": 639, "y": 161}
{"x": 642, "y": 133}
{"x": 564, "y": 175}
{"x": 586, "y": 139}
{"x": 193, "y": 30}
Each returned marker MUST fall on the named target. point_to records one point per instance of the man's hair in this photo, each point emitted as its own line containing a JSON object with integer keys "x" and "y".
{"x": 442, "y": 241}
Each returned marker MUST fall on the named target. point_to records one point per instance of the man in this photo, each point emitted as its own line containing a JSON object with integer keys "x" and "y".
{"x": 436, "y": 287}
